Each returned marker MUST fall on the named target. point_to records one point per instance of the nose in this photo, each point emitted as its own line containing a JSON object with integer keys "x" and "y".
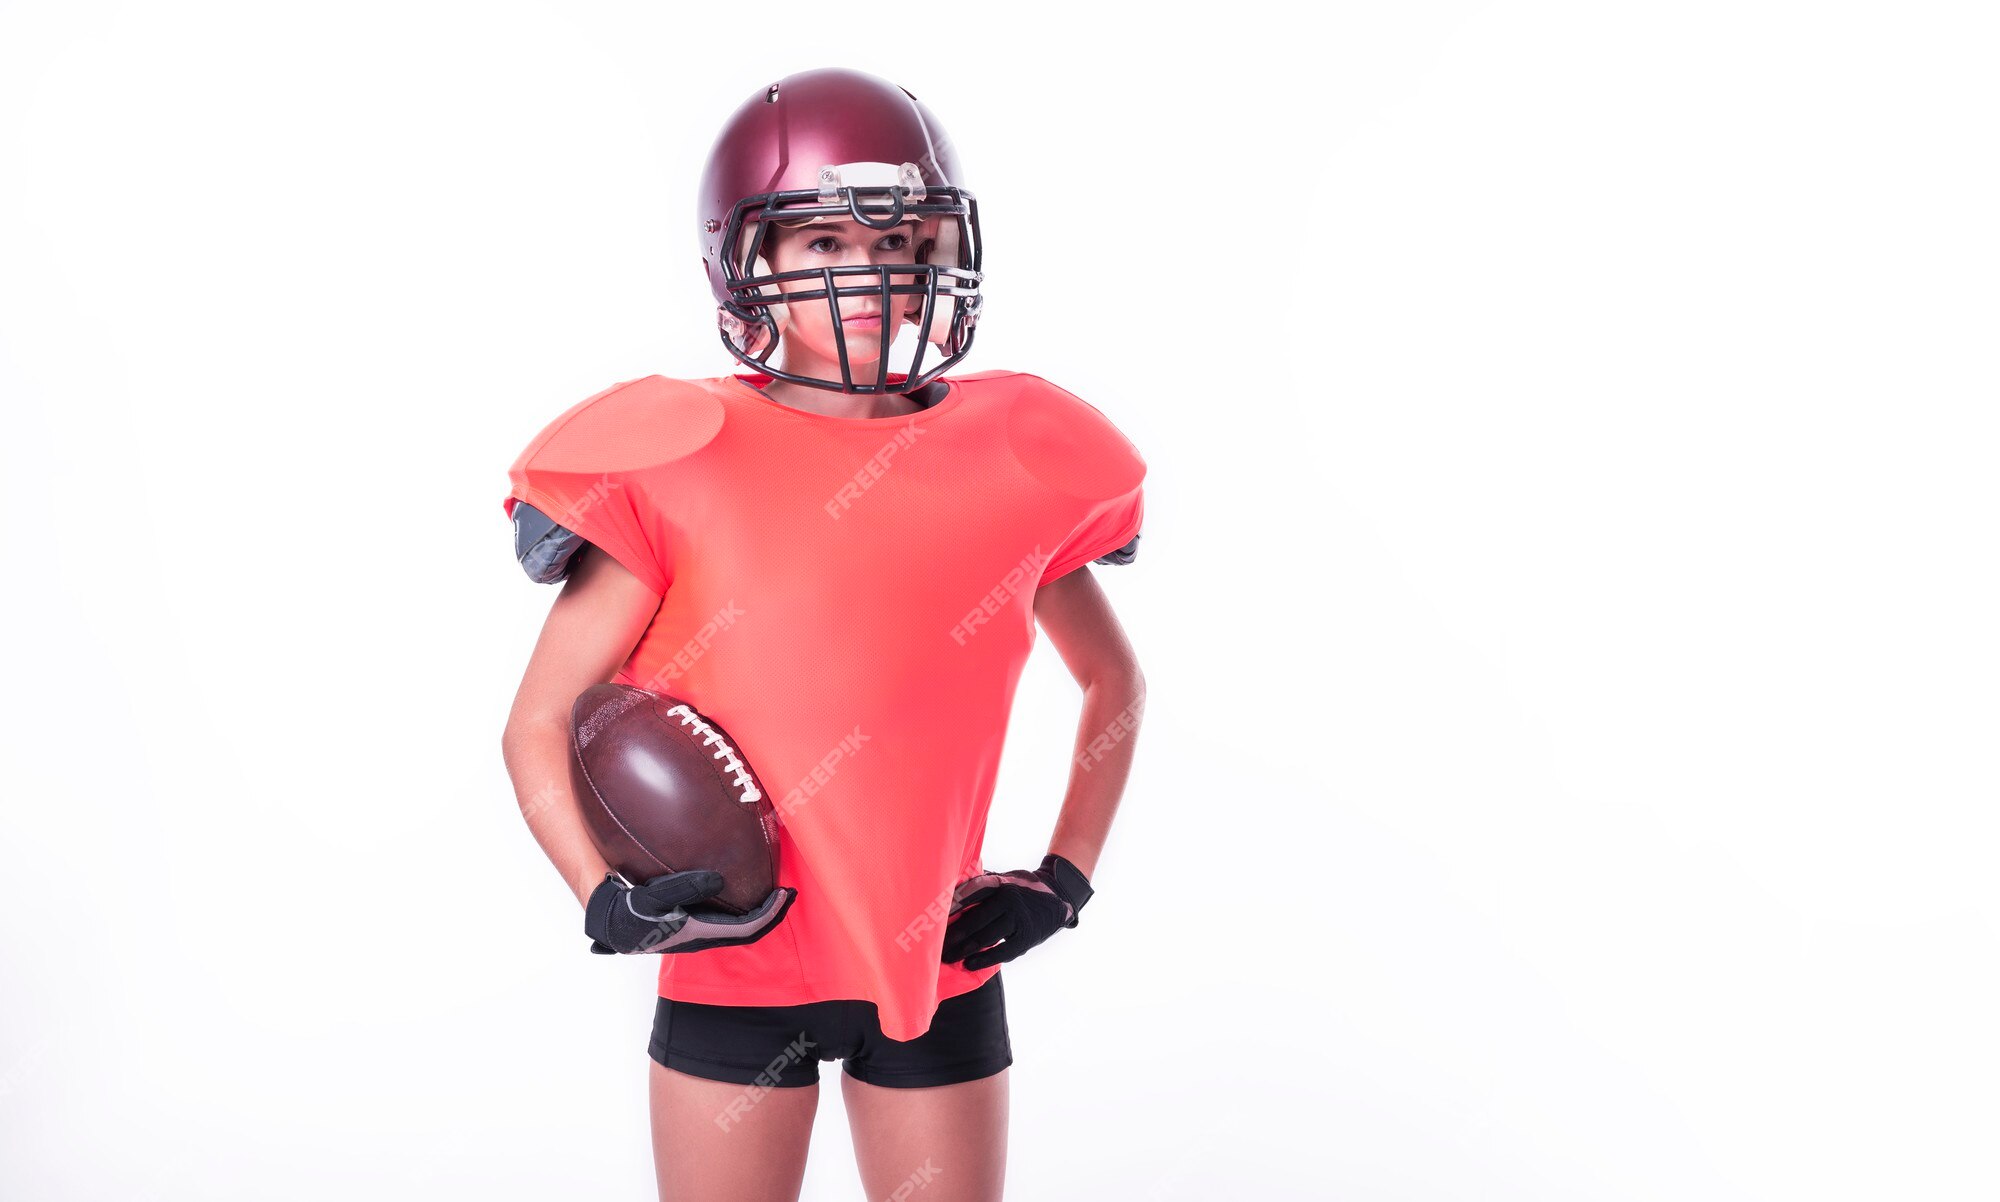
{"x": 869, "y": 301}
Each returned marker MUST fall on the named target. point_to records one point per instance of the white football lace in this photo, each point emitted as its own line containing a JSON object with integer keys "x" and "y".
{"x": 709, "y": 735}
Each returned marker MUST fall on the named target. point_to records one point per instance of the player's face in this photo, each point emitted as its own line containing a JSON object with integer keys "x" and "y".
{"x": 808, "y": 325}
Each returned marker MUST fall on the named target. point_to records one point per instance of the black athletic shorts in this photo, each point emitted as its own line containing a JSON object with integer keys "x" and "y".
{"x": 782, "y": 1046}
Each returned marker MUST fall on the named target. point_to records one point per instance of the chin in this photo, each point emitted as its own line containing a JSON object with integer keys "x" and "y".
{"x": 856, "y": 355}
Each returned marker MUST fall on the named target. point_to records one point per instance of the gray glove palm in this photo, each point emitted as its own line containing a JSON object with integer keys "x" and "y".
{"x": 624, "y": 919}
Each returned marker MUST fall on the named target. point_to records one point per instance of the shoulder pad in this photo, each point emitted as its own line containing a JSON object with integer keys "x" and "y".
{"x": 637, "y": 424}
{"x": 1068, "y": 444}
{"x": 544, "y": 548}
{"x": 586, "y": 476}
{"x": 1123, "y": 555}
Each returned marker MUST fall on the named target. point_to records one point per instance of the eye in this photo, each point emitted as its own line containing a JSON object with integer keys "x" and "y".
{"x": 826, "y": 244}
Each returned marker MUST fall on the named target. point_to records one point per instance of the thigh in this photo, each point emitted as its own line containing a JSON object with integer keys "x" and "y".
{"x": 734, "y": 1090}
{"x": 718, "y": 1141}
{"x": 940, "y": 1143}
{"x": 929, "y": 1115}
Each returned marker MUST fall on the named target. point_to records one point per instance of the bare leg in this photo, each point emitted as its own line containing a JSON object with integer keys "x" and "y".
{"x": 718, "y": 1142}
{"x": 942, "y": 1143}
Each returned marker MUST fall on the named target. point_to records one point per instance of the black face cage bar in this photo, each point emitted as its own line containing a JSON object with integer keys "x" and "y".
{"x": 750, "y": 305}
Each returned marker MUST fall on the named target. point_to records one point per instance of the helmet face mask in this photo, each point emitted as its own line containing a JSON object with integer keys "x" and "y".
{"x": 939, "y": 293}
{"x": 847, "y": 113}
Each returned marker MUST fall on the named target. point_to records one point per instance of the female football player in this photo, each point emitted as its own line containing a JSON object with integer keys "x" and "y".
{"x": 844, "y": 565}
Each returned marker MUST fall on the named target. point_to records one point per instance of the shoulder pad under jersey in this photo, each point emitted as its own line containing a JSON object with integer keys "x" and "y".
{"x": 1070, "y": 445}
{"x": 1123, "y": 555}
{"x": 581, "y": 460}
{"x": 632, "y": 425}
{"x": 543, "y": 548}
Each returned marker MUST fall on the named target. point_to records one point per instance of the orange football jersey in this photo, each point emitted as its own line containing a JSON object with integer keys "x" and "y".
{"x": 851, "y": 598}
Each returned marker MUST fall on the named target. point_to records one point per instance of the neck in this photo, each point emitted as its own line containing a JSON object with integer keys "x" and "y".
{"x": 828, "y": 403}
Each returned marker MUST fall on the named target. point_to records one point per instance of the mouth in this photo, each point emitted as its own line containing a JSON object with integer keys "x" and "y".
{"x": 873, "y": 319}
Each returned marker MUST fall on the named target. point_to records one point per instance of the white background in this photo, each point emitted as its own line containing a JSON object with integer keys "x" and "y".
{"x": 1567, "y": 593}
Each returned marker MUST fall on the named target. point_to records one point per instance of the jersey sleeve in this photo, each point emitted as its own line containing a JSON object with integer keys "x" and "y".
{"x": 576, "y": 477}
{"x": 1073, "y": 447}
{"x": 1108, "y": 534}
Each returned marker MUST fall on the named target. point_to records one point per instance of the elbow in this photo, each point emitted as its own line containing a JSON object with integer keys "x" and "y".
{"x": 510, "y": 745}
{"x": 1124, "y": 682}
{"x": 525, "y": 731}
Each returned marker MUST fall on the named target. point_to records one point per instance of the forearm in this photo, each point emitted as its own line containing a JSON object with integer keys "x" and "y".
{"x": 1102, "y": 760}
{"x": 537, "y": 754}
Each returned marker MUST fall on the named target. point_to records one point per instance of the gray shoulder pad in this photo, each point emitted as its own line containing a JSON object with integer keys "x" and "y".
{"x": 1124, "y": 554}
{"x": 543, "y": 547}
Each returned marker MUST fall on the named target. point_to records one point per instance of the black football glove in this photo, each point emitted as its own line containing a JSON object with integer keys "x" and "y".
{"x": 1015, "y": 910}
{"x": 653, "y": 917}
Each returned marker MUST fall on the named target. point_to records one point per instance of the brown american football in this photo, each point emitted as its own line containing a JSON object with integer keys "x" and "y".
{"x": 664, "y": 788}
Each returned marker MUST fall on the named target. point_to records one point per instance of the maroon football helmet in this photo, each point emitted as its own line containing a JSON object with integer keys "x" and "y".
{"x": 841, "y": 145}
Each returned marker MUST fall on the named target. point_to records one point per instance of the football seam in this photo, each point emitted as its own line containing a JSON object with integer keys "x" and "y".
{"x": 604, "y": 805}
{"x": 725, "y": 762}
{"x": 748, "y": 790}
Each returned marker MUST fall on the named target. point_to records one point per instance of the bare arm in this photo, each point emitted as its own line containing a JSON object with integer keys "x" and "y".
{"x": 1077, "y": 617}
{"x": 596, "y": 620}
